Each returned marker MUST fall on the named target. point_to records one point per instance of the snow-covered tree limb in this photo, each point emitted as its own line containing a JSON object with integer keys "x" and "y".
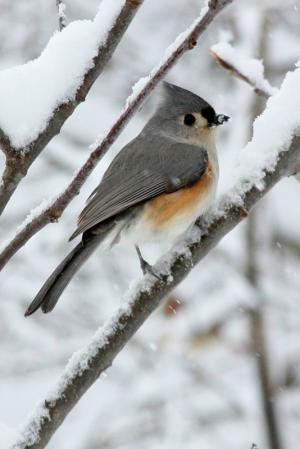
{"x": 21, "y": 154}
{"x": 184, "y": 42}
{"x": 249, "y": 70}
{"x": 86, "y": 366}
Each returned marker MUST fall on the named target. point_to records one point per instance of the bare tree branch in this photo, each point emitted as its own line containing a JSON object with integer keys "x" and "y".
{"x": 60, "y": 5}
{"x": 86, "y": 366}
{"x": 55, "y": 210}
{"x": 20, "y": 163}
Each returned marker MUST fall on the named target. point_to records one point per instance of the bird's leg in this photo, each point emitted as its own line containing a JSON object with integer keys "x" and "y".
{"x": 145, "y": 266}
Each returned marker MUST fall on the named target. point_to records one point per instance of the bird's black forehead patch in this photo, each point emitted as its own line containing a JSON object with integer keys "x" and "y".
{"x": 178, "y": 101}
{"x": 208, "y": 113}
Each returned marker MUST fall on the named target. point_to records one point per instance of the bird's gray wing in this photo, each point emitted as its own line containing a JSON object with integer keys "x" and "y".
{"x": 144, "y": 169}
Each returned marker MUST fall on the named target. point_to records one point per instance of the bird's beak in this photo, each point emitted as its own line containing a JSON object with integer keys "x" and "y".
{"x": 220, "y": 119}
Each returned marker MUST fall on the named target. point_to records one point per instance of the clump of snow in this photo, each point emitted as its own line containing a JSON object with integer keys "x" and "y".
{"x": 251, "y": 68}
{"x": 31, "y": 92}
{"x": 141, "y": 83}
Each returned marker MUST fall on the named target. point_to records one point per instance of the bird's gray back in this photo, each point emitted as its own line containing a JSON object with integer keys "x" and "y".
{"x": 148, "y": 166}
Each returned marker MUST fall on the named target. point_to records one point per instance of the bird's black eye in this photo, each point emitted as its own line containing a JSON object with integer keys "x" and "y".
{"x": 189, "y": 119}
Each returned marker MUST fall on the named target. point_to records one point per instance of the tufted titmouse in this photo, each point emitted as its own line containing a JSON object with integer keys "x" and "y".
{"x": 154, "y": 189}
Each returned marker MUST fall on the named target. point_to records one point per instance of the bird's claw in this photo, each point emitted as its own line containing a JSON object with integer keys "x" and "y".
{"x": 148, "y": 269}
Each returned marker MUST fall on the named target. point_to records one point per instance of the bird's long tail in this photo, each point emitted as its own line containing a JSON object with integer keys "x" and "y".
{"x": 50, "y": 292}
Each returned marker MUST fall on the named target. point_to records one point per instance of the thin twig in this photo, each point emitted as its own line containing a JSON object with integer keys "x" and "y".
{"x": 62, "y": 112}
{"x": 62, "y": 22}
{"x": 238, "y": 74}
{"x": 55, "y": 210}
{"x": 86, "y": 366}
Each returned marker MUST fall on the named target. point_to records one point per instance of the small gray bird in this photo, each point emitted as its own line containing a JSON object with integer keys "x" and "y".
{"x": 154, "y": 189}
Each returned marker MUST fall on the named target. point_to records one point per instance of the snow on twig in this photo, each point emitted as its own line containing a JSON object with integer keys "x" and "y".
{"x": 144, "y": 297}
{"x": 61, "y": 13}
{"x": 43, "y": 93}
{"x": 248, "y": 69}
{"x": 183, "y": 43}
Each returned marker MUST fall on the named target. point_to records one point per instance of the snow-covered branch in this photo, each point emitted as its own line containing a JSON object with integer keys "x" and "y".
{"x": 184, "y": 42}
{"x": 43, "y": 93}
{"x": 249, "y": 70}
{"x": 265, "y": 160}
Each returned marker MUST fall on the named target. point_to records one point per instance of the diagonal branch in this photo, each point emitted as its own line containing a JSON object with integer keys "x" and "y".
{"x": 86, "y": 366}
{"x": 145, "y": 86}
{"x": 26, "y": 156}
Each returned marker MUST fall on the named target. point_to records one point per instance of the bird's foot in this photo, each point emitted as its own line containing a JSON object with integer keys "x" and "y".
{"x": 145, "y": 266}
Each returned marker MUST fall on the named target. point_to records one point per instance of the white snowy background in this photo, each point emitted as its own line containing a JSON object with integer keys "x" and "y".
{"x": 184, "y": 380}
